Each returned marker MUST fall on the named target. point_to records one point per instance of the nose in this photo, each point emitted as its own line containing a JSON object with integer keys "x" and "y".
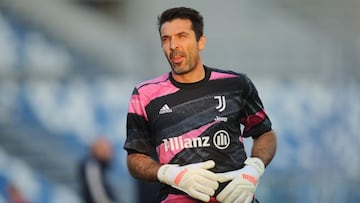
{"x": 173, "y": 44}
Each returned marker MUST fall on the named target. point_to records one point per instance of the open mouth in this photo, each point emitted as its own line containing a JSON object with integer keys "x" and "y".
{"x": 177, "y": 56}
{"x": 177, "y": 59}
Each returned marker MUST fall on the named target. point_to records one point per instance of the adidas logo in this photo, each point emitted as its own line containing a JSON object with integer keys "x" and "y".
{"x": 165, "y": 109}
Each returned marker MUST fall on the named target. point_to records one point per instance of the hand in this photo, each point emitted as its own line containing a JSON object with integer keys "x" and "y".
{"x": 194, "y": 179}
{"x": 243, "y": 183}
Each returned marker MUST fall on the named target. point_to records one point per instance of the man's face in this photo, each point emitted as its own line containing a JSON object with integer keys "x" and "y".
{"x": 180, "y": 46}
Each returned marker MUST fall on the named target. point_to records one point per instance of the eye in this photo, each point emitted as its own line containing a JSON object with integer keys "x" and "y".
{"x": 164, "y": 39}
{"x": 182, "y": 36}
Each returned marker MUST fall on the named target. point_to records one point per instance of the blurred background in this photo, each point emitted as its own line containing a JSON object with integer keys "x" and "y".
{"x": 68, "y": 67}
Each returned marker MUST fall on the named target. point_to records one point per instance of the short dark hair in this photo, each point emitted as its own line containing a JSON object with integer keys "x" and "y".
{"x": 183, "y": 13}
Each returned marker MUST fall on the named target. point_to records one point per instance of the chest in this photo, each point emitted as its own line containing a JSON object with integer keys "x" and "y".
{"x": 189, "y": 108}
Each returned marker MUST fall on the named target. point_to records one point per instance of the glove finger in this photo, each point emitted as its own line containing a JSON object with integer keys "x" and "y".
{"x": 198, "y": 195}
{"x": 199, "y": 182}
{"x": 242, "y": 197}
{"x": 225, "y": 192}
{"x": 223, "y": 179}
{"x": 236, "y": 196}
{"x": 202, "y": 176}
{"x": 226, "y": 176}
{"x": 202, "y": 173}
{"x": 210, "y": 176}
{"x": 213, "y": 184}
{"x": 203, "y": 189}
{"x": 204, "y": 165}
{"x": 249, "y": 198}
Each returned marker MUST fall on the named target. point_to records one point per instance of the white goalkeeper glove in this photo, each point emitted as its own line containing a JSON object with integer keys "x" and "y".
{"x": 194, "y": 179}
{"x": 243, "y": 183}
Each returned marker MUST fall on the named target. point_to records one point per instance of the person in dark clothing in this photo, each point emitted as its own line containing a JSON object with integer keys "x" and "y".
{"x": 93, "y": 170}
{"x": 196, "y": 118}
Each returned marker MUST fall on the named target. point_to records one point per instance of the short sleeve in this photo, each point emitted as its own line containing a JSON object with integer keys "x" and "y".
{"x": 254, "y": 118}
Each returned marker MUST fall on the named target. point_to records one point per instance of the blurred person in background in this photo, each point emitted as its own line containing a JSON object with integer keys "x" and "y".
{"x": 15, "y": 195}
{"x": 192, "y": 116}
{"x": 11, "y": 192}
{"x": 95, "y": 186}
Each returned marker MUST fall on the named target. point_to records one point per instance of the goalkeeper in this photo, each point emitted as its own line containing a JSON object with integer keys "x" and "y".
{"x": 196, "y": 118}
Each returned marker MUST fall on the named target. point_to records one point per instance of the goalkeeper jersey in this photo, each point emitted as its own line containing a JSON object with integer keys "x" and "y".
{"x": 191, "y": 123}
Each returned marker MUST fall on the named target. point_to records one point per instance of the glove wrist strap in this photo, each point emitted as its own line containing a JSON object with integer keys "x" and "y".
{"x": 257, "y": 163}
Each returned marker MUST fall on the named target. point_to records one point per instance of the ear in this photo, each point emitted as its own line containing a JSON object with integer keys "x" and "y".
{"x": 202, "y": 42}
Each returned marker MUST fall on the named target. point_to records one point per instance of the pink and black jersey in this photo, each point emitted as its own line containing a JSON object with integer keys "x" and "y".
{"x": 190, "y": 123}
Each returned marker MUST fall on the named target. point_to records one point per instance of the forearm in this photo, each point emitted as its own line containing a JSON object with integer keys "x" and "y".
{"x": 264, "y": 147}
{"x": 142, "y": 167}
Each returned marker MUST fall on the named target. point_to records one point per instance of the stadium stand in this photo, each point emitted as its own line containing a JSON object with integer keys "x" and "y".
{"x": 52, "y": 104}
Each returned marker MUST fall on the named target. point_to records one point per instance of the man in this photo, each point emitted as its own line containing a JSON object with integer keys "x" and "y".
{"x": 93, "y": 169}
{"x": 192, "y": 116}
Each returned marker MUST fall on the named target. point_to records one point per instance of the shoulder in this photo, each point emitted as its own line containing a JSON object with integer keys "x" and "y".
{"x": 216, "y": 73}
{"x": 86, "y": 162}
{"x": 157, "y": 80}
